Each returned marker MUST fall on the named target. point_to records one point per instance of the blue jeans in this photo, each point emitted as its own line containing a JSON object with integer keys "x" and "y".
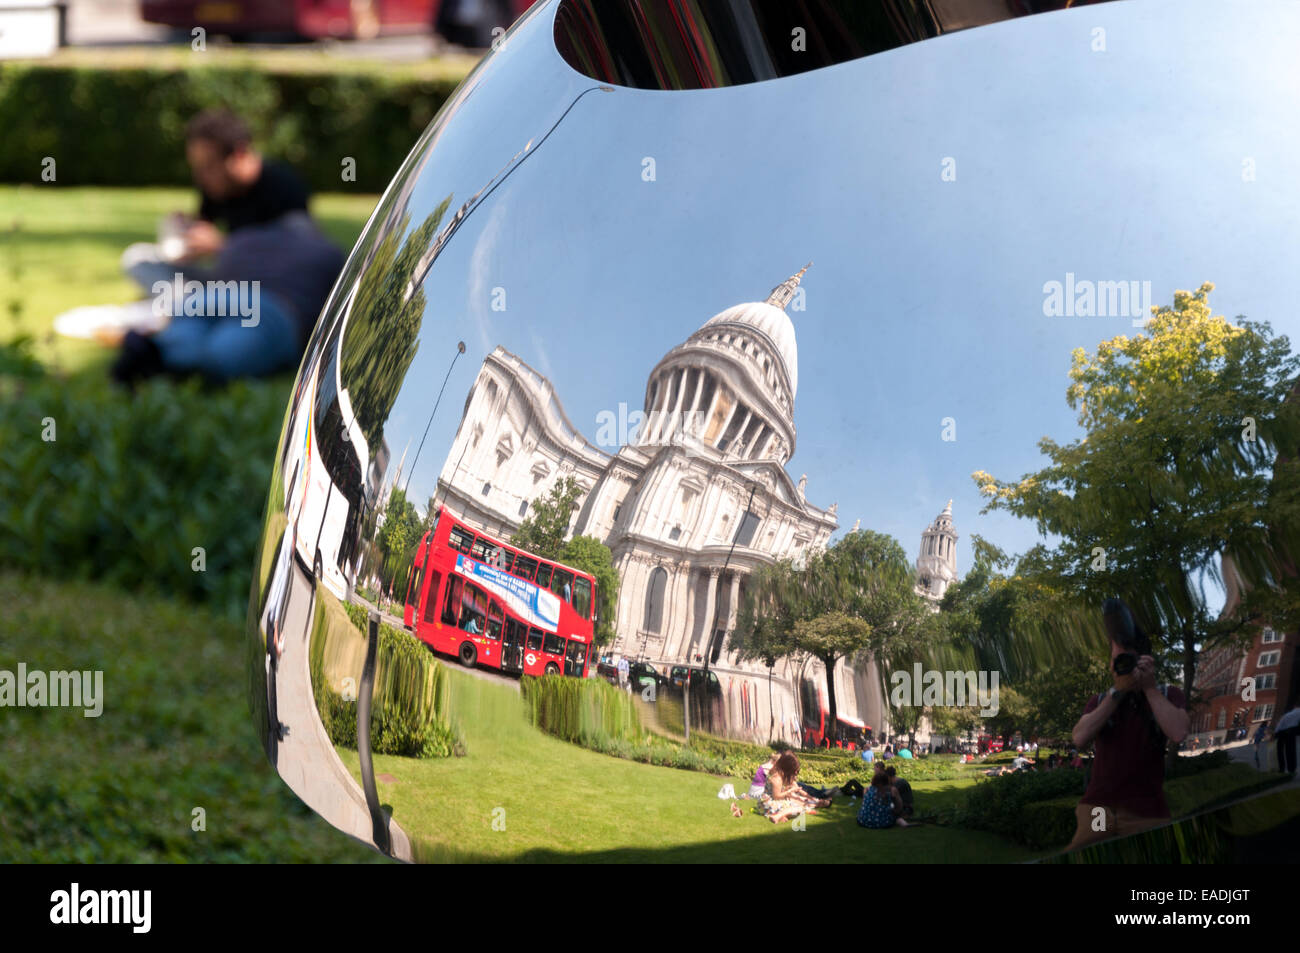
{"x": 222, "y": 347}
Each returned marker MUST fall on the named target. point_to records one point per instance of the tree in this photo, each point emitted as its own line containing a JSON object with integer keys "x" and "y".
{"x": 547, "y": 524}
{"x": 383, "y": 329}
{"x": 1179, "y": 464}
{"x": 954, "y": 720}
{"x": 398, "y": 537}
{"x": 866, "y": 577}
{"x": 830, "y": 637}
{"x": 591, "y": 555}
{"x": 1057, "y": 695}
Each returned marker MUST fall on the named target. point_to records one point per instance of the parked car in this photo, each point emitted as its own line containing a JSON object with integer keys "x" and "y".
{"x": 680, "y": 673}
{"x": 643, "y": 674}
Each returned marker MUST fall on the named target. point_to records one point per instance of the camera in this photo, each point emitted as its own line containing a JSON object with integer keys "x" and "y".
{"x": 1125, "y": 663}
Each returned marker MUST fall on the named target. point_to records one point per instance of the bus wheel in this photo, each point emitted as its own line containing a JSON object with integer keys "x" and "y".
{"x": 552, "y": 668}
{"x": 468, "y": 655}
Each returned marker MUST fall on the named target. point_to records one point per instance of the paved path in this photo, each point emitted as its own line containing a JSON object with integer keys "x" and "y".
{"x": 306, "y": 759}
{"x": 1244, "y": 751}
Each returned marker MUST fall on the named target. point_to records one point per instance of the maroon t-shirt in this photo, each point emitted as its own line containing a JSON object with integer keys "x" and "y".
{"x": 1128, "y": 771}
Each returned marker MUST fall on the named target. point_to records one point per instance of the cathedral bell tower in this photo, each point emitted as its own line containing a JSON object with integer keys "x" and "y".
{"x": 936, "y": 566}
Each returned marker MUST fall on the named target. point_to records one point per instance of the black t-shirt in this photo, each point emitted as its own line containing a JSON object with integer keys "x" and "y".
{"x": 277, "y": 190}
{"x": 904, "y": 791}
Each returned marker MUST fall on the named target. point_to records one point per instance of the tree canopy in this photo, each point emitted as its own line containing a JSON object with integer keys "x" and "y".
{"x": 1179, "y": 464}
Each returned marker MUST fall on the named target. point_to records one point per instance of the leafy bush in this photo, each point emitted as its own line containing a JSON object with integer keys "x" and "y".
{"x": 96, "y": 484}
{"x": 410, "y": 714}
{"x": 998, "y": 804}
{"x": 1037, "y": 809}
{"x": 818, "y": 767}
{"x": 94, "y": 121}
{"x": 1214, "y": 786}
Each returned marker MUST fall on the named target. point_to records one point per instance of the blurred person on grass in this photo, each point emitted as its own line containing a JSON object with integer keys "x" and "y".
{"x": 236, "y": 290}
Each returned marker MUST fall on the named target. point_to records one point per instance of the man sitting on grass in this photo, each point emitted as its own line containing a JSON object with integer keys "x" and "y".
{"x": 251, "y": 313}
{"x": 904, "y": 791}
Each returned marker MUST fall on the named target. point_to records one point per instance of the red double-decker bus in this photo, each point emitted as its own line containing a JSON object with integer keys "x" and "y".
{"x": 492, "y": 604}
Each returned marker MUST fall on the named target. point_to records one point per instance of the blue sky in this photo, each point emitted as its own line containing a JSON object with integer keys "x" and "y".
{"x": 925, "y": 299}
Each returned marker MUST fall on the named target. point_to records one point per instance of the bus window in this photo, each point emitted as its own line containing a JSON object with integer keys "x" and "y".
{"x": 573, "y": 658}
{"x": 508, "y": 559}
{"x": 562, "y": 584}
{"x": 460, "y": 539}
{"x": 474, "y": 608}
{"x": 525, "y": 566}
{"x": 494, "y": 621}
{"x": 431, "y": 606}
{"x": 582, "y": 597}
{"x": 451, "y": 605}
{"x": 534, "y": 640}
{"x": 515, "y": 631}
{"x": 544, "y": 575}
{"x": 554, "y": 645}
{"x": 483, "y": 551}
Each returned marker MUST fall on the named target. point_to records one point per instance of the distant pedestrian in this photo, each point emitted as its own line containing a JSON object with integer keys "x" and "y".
{"x": 1285, "y": 732}
{"x": 623, "y": 670}
{"x": 1259, "y": 740}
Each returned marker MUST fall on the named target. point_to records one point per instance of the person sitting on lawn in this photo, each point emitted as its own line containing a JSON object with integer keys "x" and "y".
{"x": 880, "y": 805}
{"x": 784, "y": 798}
{"x": 759, "y": 785}
{"x": 238, "y": 188}
{"x": 251, "y": 313}
{"x": 904, "y": 791}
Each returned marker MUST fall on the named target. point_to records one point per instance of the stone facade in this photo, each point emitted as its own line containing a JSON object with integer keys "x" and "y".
{"x": 706, "y": 470}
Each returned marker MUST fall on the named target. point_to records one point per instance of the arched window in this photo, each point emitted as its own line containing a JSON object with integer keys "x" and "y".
{"x": 654, "y": 600}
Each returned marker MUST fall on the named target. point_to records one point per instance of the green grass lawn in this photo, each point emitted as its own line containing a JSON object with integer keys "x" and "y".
{"x": 59, "y": 249}
{"x": 565, "y": 803}
{"x": 175, "y": 734}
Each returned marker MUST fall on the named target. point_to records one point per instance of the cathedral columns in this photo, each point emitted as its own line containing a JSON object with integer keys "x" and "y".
{"x": 689, "y": 623}
{"x": 678, "y": 627}
{"x": 674, "y": 424}
{"x": 710, "y": 602}
{"x": 695, "y": 401}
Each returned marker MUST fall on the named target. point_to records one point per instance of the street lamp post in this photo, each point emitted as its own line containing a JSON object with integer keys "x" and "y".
{"x": 713, "y": 630}
{"x": 460, "y": 349}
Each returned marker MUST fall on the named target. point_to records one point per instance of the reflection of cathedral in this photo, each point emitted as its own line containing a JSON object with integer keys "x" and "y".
{"x": 706, "y": 470}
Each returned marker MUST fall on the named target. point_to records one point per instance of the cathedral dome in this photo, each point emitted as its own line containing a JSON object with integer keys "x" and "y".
{"x": 773, "y": 324}
{"x": 731, "y": 385}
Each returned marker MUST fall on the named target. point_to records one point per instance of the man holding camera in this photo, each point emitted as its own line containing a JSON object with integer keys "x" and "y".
{"x": 1131, "y": 724}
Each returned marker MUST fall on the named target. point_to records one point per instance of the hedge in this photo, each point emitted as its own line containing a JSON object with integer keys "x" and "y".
{"x": 411, "y": 711}
{"x": 1021, "y": 806}
{"x": 594, "y": 714}
{"x": 96, "y": 484}
{"x": 579, "y": 710}
{"x": 127, "y": 126}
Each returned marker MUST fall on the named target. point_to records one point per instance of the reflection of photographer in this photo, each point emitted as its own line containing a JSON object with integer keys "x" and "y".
{"x": 1131, "y": 724}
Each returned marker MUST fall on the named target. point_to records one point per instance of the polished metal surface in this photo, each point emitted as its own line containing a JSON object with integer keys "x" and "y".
{"x": 622, "y": 244}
